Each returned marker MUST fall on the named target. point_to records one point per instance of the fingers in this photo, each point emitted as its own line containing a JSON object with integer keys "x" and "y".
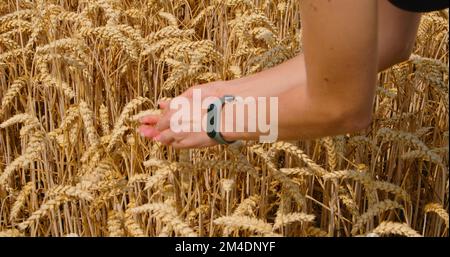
{"x": 148, "y": 131}
{"x": 166, "y": 137}
{"x": 193, "y": 142}
{"x": 164, "y": 122}
{"x": 150, "y": 120}
{"x": 180, "y": 145}
{"x": 179, "y": 140}
{"x": 160, "y": 122}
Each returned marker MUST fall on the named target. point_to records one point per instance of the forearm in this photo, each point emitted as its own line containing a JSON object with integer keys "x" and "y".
{"x": 302, "y": 115}
{"x": 271, "y": 82}
{"x": 320, "y": 113}
{"x": 299, "y": 116}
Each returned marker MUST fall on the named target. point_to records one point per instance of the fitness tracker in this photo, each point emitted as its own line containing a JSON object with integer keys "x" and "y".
{"x": 213, "y": 119}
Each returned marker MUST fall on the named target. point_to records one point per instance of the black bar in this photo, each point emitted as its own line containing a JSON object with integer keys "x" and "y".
{"x": 254, "y": 246}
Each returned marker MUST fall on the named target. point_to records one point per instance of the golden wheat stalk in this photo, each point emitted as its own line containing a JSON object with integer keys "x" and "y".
{"x": 283, "y": 219}
{"x": 21, "y": 199}
{"x": 388, "y": 227}
{"x": 291, "y": 188}
{"x": 439, "y": 210}
{"x": 119, "y": 127}
{"x": 170, "y": 18}
{"x": 316, "y": 232}
{"x": 350, "y": 204}
{"x": 130, "y": 223}
{"x": 160, "y": 175}
{"x": 247, "y": 223}
{"x": 297, "y": 171}
{"x": 88, "y": 121}
{"x": 11, "y": 93}
{"x": 33, "y": 150}
{"x": 373, "y": 211}
{"x": 391, "y": 188}
{"x": 166, "y": 214}
{"x": 391, "y": 135}
{"x": 332, "y": 157}
{"x": 48, "y": 80}
{"x": 424, "y": 155}
{"x": 247, "y": 206}
{"x": 168, "y": 32}
{"x": 11, "y": 233}
{"x": 44, "y": 210}
{"x": 104, "y": 120}
{"x": 295, "y": 151}
{"x": 145, "y": 113}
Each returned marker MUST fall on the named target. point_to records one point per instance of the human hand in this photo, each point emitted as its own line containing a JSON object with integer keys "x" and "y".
{"x": 158, "y": 127}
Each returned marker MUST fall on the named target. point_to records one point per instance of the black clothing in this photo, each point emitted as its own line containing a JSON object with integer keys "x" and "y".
{"x": 420, "y": 5}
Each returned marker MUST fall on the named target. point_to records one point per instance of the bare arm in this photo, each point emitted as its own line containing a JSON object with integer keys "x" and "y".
{"x": 340, "y": 62}
{"x": 328, "y": 90}
{"x": 397, "y": 31}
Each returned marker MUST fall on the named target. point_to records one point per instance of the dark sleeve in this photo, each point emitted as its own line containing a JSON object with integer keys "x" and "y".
{"x": 420, "y": 5}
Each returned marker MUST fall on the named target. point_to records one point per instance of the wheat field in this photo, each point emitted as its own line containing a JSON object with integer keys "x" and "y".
{"x": 75, "y": 75}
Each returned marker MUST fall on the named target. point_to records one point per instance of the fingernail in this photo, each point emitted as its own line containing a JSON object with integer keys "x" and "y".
{"x": 157, "y": 138}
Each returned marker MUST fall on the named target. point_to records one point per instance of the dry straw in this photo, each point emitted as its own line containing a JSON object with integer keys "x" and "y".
{"x": 376, "y": 209}
{"x": 166, "y": 214}
{"x": 77, "y": 76}
{"x": 286, "y": 219}
{"x": 247, "y": 223}
{"x": 387, "y": 228}
{"x": 439, "y": 210}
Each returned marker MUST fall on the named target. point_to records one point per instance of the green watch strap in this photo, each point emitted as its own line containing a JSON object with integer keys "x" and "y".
{"x": 213, "y": 120}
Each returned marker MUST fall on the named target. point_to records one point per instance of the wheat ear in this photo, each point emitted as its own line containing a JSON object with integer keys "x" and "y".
{"x": 373, "y": 211}
{"x": 388, "y": 227}
{"x": 168, "y": 215}
{"x": 439, "y": 210}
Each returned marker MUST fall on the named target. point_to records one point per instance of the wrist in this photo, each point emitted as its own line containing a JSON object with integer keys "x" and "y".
{"x": 225, "y": 123}
{"x": 229, "y": 127}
